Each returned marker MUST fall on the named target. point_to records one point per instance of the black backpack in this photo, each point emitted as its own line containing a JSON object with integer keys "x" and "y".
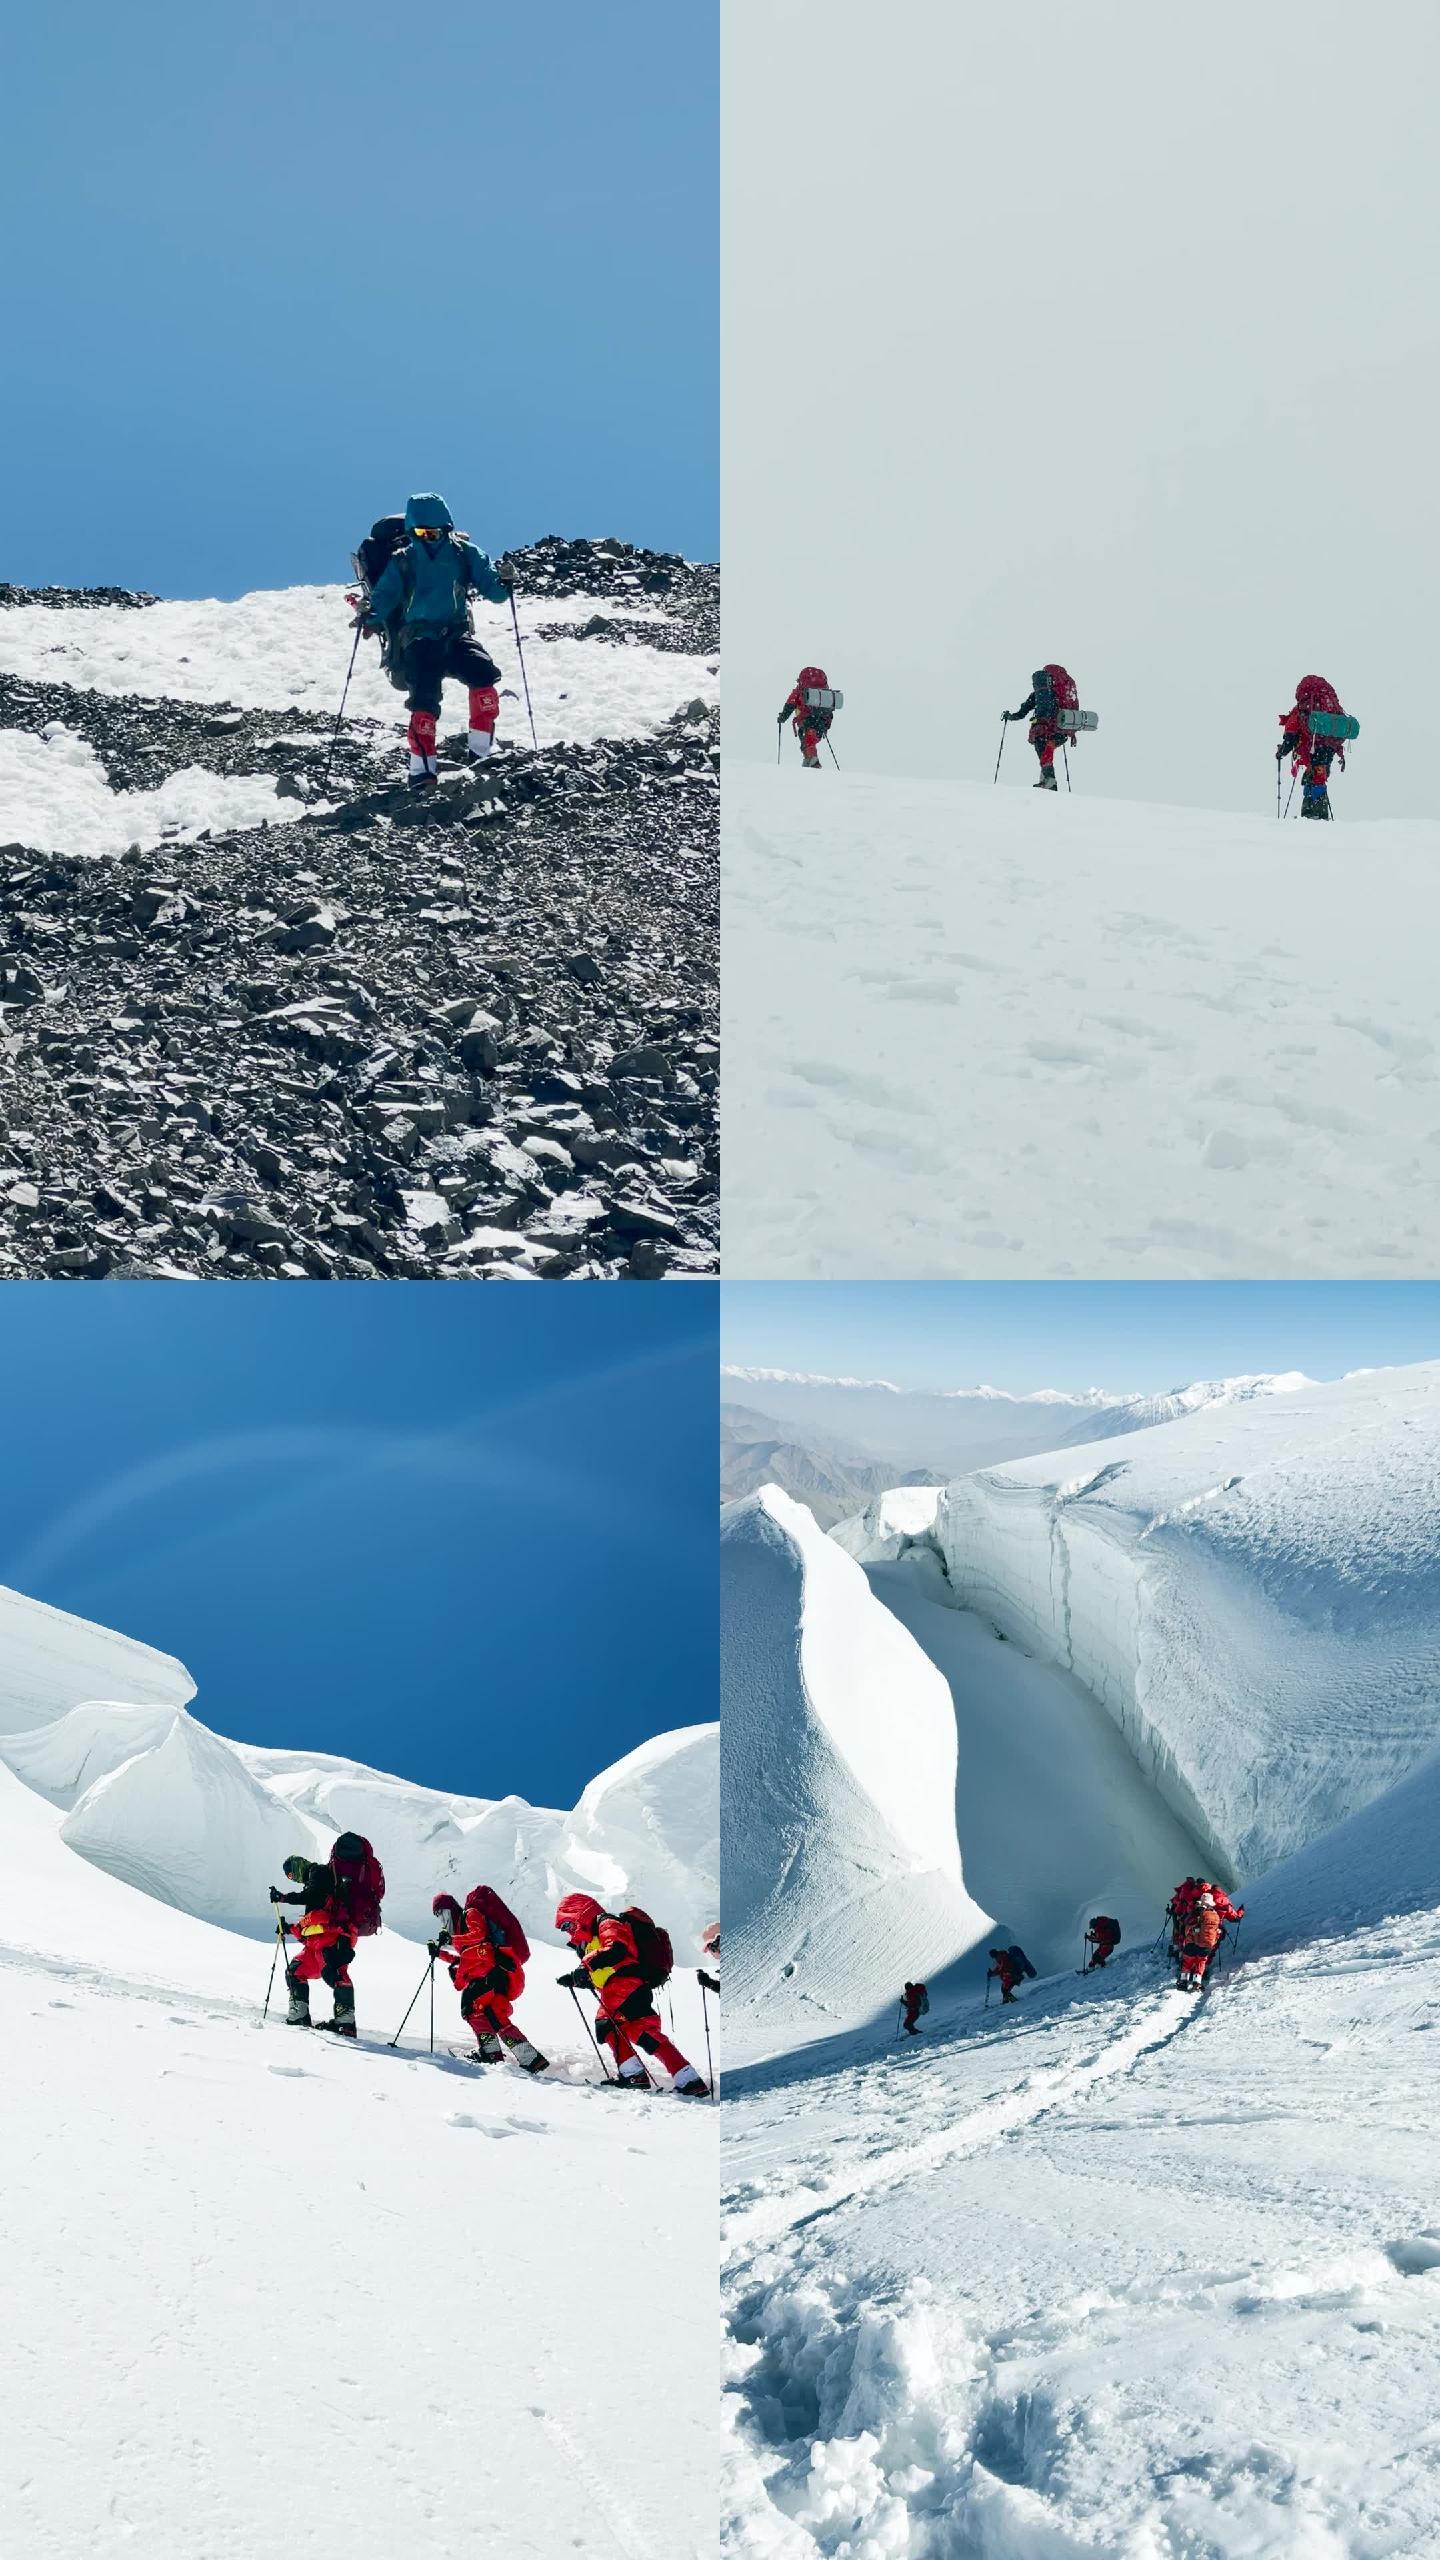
{"x": 371, "y": 559}
{"x": 1018, "y": 1957}
{"x": 1044, "y": 685}
{"x": 652, "y": 1947}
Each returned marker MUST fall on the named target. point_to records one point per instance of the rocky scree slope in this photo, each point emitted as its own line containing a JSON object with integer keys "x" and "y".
{"x": 472, "y": 1036}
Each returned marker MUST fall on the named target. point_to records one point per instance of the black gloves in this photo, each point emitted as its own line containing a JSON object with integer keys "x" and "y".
{"x": 576, "y": 1981}
{"x": 432, "y": 1948}
{"x": 277, "y": 1896}
{"x": 707, "y": 1981}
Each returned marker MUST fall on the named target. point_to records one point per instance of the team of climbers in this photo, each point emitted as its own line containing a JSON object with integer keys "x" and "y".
{"x": 625, "y": 1959}
{"x": 1198, "y": 1914}
{"x": 1315, "y": 728}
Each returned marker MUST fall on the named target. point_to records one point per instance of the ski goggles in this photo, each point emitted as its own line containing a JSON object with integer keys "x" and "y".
{"x": 428, "y": 532}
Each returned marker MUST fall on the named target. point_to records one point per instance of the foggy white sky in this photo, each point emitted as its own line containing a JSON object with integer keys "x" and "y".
{"x": 1103, "y": 333}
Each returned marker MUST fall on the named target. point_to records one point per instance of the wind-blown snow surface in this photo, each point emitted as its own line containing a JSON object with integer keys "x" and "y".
{"x": 842, "y": 1867}
{"x": 975, "y": 1032}
{"x": 249, "y": 2275}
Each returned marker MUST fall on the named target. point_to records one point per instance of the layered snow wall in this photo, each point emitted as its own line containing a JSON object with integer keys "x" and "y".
{"x": 98, "y": 1725}
{"x": 1252, "y": 1592}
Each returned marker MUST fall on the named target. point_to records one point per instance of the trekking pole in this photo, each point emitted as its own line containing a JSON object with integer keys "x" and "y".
{"x": 987, "y": 1991}
{"x": 340, "y": 714}
{"x": 520, "y": 654}
{"x": 779, "y": 737}
{"x": 1004, "y": 732}
{"x": 1278, "y": 762}
{"x": 1065, "y": 752}
{"x": 585, "y": 2023}
{"x": 279, "y": 1943}
{"x": 833, "y": 756}
{"x": 427, "y": 1976}
{"x": 709, "y": 2057}
{"x": 1292, "y": 792}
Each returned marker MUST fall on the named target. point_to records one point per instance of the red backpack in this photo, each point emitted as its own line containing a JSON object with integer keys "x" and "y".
{"x": 652, "y": 1947}
{"x": 359, "y": 1882}
{"x": 1312, "y": 693}
{"x": 500, "y": 1922}
{"x": 1064, "y": 688}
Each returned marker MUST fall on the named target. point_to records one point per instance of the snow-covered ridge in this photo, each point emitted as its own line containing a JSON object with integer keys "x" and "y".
{"x": 1252, "y": 1591}
{"x": 100, "y": 1727}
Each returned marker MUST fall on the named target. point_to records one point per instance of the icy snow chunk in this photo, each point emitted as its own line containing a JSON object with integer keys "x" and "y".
{"x": 648, "y": 1830}
{"x": 187, "y": 1822}
{"x": 842, "y": 1863}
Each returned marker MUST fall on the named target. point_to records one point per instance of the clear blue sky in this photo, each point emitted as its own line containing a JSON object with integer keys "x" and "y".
{"x": 1071, "y": 1334}
{"x": 463, "y": 1533}
{"x": 271, "y": 268}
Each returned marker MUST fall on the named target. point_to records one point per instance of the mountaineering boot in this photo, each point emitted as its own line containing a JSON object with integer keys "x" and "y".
{"x": 688, "y": 2083}
{"x": 524, "y": 2052}
{"x": 484, "y": 712}
{"x": 1315, "y": 804}
{"x": 633, "y": 2075}
{"x": 299, "y": 2011}
{"x": 488, "y": 2048}
{"x": 1047, "y": 782}
{"x": 344, "y": 2009}
{"x": 809, "y": 764}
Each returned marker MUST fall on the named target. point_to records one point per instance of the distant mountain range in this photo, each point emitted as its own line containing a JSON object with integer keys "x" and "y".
{"x": 833, "y": 1480}
{"x": 833, "y": 1443}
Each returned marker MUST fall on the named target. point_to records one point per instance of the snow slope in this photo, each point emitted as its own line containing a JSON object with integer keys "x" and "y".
{"x": 1252, "y": 1593}
{"x": 248, "y": 2273}
{"x": 842, "y": 1867}
{"x": 975, "y": 1032}
{"x": 1121, "y": 2275}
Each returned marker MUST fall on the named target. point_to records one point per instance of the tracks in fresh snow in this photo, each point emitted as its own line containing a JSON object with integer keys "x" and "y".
{"x": 776, "y": 2216}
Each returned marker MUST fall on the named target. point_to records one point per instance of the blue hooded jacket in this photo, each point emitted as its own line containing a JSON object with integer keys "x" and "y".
{"x": 433, "y": 581}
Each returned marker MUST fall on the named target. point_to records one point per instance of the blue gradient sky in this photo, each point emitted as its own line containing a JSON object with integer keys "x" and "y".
{"x": 1072, "y": 1334}
{"x": 273, "y": 268}
{"x": 462, "y": 1533}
